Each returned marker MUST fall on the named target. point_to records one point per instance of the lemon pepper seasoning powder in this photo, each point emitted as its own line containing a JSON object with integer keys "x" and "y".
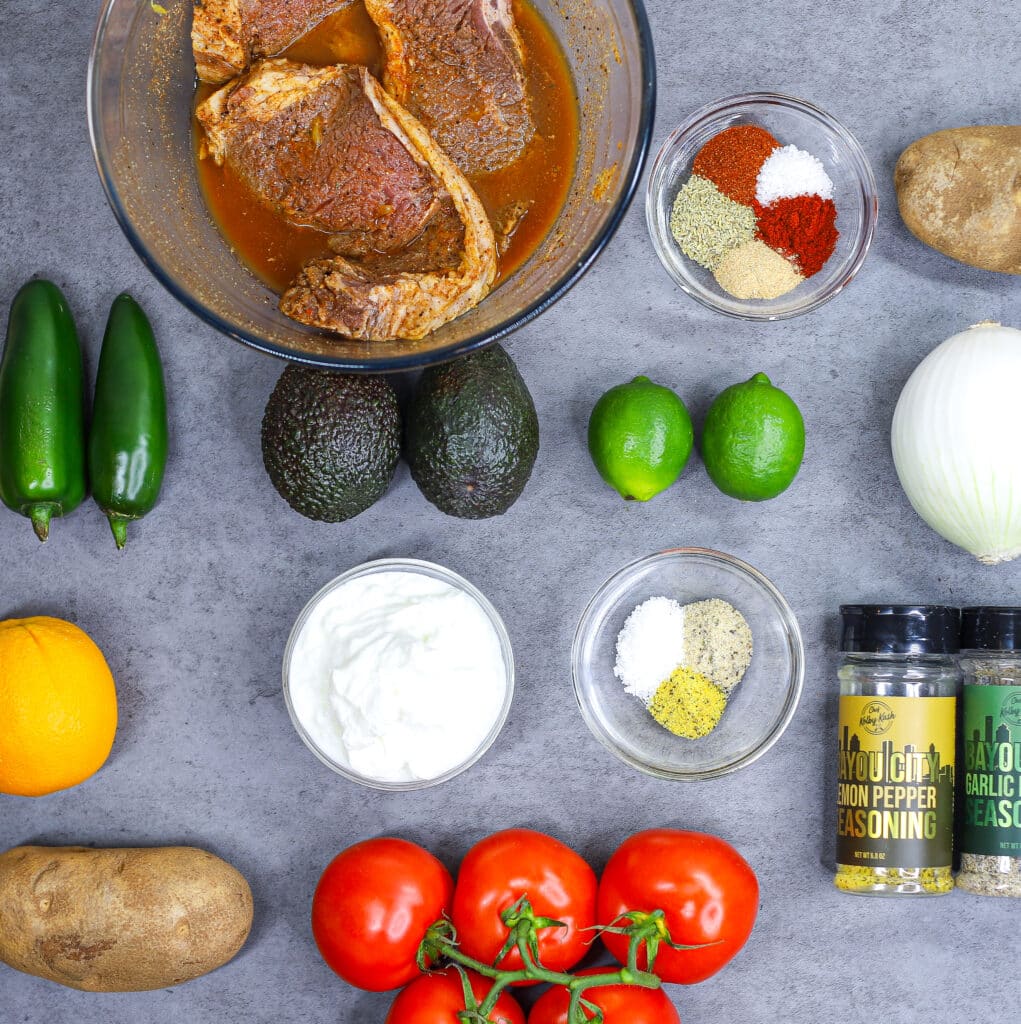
{"x": 689, "y": 704}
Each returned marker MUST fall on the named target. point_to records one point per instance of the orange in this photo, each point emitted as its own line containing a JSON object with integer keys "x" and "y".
{"x": 58, "y": 706}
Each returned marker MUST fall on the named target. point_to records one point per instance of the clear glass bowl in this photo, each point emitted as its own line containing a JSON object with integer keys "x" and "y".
{"x": 760, "y": 707}
{"x": 433, "y": 571}
{"x": 792, "y": 121}
{"x": 140, "y": 90}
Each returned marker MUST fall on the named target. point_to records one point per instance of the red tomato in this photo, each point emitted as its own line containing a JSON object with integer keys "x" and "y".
{"x": 621, "y": 1004}
{"x": 517, "y": 862}
{"x": 372, "y": 907}
{"x": 438, "y": 998}
{"x": 705, "y": 887}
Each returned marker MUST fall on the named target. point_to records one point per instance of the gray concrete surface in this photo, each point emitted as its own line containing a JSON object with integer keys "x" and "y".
{"x": 194, "y": 614}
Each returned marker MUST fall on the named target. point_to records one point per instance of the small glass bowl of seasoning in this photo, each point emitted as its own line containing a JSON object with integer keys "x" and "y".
{"x": 761, "y": 206}
{"x": 645, "y": 725}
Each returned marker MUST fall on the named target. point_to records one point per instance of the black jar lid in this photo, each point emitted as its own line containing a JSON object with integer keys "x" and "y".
{"x": 990, "y": 628}
{"x": 900, "y": 628}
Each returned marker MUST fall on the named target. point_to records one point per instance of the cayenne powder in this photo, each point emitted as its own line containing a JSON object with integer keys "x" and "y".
{"x": 802, "y": 228}
{"x": 732, "y": 160}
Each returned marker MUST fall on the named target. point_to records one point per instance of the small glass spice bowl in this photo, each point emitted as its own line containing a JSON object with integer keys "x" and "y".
{"x": 792, "y": 122}
{"x": 760, "y": 707}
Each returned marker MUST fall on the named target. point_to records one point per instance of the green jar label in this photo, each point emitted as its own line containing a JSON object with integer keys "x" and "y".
{"x": 895, "y": 782}
{"x": 992, "y": 771}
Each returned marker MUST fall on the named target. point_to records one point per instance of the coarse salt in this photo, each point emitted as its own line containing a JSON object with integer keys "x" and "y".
{"x": 650, "y": 646}
{"x": 790, "y": 172}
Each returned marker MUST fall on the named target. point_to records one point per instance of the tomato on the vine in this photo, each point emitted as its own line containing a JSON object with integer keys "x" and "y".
{"x": 621, "y": 1004}
{"x": 372, "y": 907}
{"x": 707, "y": 890}
{"x": 518, "y": 862}
{"x": 438, "y": 998}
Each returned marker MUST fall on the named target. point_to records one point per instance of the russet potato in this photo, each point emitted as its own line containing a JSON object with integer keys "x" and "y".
{"x": 120, "y": 920}
{"x": 959, "y": 190}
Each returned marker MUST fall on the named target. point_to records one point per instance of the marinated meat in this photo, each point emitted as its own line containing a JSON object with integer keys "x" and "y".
{"x": 507, "y": 221}
{"x": 328, "y": 147}
{"x": 310, "y": 142}
{"x": 433, "y": 282}
{"x": 457, "y": 65}
{"x": 228, "y": 35}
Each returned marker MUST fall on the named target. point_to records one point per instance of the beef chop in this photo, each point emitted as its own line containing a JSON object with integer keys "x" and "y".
{"x": 228, "y": 35}
{"x": 328, "y": 147}
{"x": 457, "y": 65}
{"x": 448, "y": 271}
{"x": 310, "y": 142}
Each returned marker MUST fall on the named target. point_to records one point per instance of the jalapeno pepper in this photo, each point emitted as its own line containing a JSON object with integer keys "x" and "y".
{"x": 128, "y": 441}
{"x": 42, "y": 402}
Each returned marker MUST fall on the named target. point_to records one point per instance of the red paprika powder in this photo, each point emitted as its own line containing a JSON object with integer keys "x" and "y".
{"x": 802, "y": 228}
{"x": 732, "y": 160}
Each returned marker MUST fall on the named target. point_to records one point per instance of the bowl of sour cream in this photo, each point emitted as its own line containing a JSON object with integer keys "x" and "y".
{"x": 398, "y": 674}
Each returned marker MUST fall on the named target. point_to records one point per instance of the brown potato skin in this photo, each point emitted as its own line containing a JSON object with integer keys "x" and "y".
{"x": 959, "y": 191}
{"x": 120, "y": 920}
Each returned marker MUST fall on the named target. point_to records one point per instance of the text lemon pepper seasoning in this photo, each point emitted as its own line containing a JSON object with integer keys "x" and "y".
{"x": 895, "y": 756}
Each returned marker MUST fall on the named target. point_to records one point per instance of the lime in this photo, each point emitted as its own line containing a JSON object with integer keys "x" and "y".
{"x": 753, "y": 440}
{"x": 640, "y": 437}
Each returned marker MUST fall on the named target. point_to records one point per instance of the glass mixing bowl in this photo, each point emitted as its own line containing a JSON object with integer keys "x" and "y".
{"x": 761, "y": 705}
{"x": 141, "y": 83}
{"x": 792, "y": 122}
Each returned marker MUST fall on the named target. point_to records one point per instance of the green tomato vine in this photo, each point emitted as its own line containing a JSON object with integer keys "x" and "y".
{"x": 643, "y": 928}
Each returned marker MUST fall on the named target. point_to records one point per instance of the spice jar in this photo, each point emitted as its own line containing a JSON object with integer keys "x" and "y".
{"x": 991, "y": 831}
{"x": 895, "y": 778}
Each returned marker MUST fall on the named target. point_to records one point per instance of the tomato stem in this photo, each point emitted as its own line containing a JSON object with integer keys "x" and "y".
{"x": 471, "y": 1007}
{"x": 648, "y": 929}
{"x": 582, "y": 1010}
{"x": 441, "y": 943}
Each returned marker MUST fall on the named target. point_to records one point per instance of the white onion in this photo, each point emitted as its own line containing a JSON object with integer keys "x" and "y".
{"x": 957, "y": 441}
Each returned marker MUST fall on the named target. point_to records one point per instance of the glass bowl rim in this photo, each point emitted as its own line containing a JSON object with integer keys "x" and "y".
{"x": 863, "y": 172}
{"x": 415, "y": 360}
{"x": 792, "y": 632}
{"x": 420, "y": 567}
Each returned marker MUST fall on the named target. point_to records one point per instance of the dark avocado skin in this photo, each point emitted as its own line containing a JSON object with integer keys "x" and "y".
{"x": 331, "y": 441}
{"x": 472, "y": 435}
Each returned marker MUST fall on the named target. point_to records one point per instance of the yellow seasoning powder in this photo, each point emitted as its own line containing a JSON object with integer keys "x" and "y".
{"x": 689, "y": 704}
{"x": 864, "y": 878}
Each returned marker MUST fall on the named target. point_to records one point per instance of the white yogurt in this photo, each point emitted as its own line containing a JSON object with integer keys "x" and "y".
{"x": 398, "y": 676}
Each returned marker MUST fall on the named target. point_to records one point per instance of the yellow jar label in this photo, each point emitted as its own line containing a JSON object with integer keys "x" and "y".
{"x": 895, "y": 781}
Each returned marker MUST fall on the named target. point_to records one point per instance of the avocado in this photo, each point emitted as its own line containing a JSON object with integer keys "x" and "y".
{"x": 472, "y": 435}
{"x": 331, "y": 441}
